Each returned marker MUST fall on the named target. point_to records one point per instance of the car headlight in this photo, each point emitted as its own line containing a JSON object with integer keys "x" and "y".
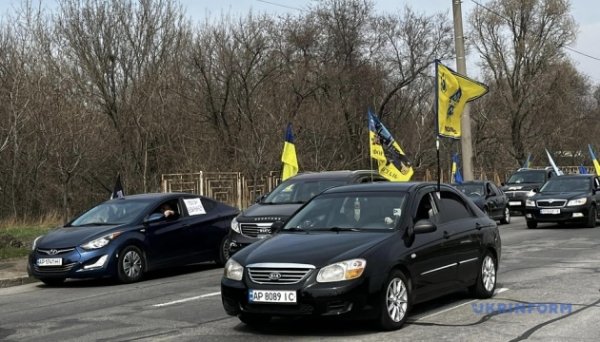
{"x": 343, "y": 270}
{"x": 529, "y": 203}
{"x": 34, "y": 244}
{"x": 530, "y": 193}
{"x": 101, "y": 241}
{"x": 575, "y": 202}
{"x": 233, "y": 270}
{"x": 235, "y": 226}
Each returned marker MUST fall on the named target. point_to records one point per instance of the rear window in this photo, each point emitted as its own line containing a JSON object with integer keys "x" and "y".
{"x": 300, "y": 191}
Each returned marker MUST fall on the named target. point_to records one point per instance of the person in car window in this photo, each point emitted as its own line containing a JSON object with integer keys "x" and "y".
{"x": 167, "y": 210}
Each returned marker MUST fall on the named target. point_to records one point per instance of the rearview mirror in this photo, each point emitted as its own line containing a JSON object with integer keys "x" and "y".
{"x": 276, "y": 226}
{"x": 424, "y": 226}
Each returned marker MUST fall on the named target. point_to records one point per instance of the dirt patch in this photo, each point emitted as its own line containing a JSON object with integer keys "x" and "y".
{"x": 9, "y": 241}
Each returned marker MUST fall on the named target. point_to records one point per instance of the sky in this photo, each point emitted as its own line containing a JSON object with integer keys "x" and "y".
{"x": 585, "y": 12}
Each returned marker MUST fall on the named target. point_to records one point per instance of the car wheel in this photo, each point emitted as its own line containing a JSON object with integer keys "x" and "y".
{"x": 531, "y": 224}
{"x": 52, "y": 281}
{"x": 254, "y": 319}
{"x": 395, "y": 301}
{"x": 130, "y": 264}
{"x": 224, "y": 251}
{"x": 506, "y": 218}
{"x": 486, "y": 278}
{"x": 591, "y": 222}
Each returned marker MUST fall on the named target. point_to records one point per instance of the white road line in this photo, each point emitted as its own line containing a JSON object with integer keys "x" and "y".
{"x": 498, "y": 291}
{"x": 187, "y": 299}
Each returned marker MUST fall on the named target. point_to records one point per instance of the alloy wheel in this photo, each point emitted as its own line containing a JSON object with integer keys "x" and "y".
{"x": 397, "y": 299}
{"x": 488, "y": 271}
{"x": 132, "y": 264}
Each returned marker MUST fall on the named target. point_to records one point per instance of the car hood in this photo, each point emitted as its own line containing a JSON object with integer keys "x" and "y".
{"x": 68, "y": 237}
{"x": 316, "y": 248}
{"x": 268, "y": 212}
{"x": 559, "y": 195}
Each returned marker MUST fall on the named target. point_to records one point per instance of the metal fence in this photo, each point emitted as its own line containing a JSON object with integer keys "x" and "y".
{"x": 240, "y": 190}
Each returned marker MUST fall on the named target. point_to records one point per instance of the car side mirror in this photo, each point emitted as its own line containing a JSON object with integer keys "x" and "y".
{"x": 154, "y": 217}
{"x": 424, "y": 226}
{"x": 260, "y": 198}
{"x": 502, "y": 184}
{"x": 276, "y": 226}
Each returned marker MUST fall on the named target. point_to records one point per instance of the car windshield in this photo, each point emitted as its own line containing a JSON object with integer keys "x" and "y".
{"x": 527, "y": 177}
{"x": 299, "y": 191}
{"x": 350, "y": 211}
{"x": 472, "y": 190}
{"x": 111, "y": 213}
{"x": 567, "y": 185}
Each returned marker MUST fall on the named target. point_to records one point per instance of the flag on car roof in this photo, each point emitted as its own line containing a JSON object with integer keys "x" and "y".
{"x": 594, "y": 160}
{"x": 453, "y": 91}
{"x": 288, "y": 156}
{"x": 556, "y": 169}
{"x": 118, "y": 189}
{"x": 527, "y": 163}
{"x": 456, "y": 176}
{"x": 582, "y": 170}
{"x": 392, "y": 163}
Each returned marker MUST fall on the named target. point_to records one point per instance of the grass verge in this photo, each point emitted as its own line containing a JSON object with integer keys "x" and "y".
{"x": 16, "y": 238}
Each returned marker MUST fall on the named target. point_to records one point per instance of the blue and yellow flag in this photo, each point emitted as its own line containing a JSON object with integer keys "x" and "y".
{"x": 392, "y": 162}
{"x": 594, "y": 160}
{"x": 456, "y": 176}
{"x": 527, "y": 163}
{"x": 556, "y": 169}
{"x": 288, "y": 157}
{"x": 453, "y": 91}
{"x": 582, "y": 170}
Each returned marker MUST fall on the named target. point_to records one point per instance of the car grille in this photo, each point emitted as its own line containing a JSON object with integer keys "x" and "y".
{"x": 551, "y": 203}
{"x": 54, "y": 251}
{"x": 276, "y": 273}
{"x": 515, "y": 194}
{"x": 255, "y": 229}
{"x": 54, "y": 269}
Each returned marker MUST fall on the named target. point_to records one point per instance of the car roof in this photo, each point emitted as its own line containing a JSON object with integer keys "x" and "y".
{"x": 154, "y": 196}
{"x": 340, "y": 174}
{"x": 577, "y": 175}
{"x": 383, "y": 186}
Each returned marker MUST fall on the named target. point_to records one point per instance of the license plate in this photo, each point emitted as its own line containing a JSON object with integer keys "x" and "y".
{"x": 49, "y": 262}
{"x": 550, "y": 211}
{"x": 514, "y": 203}
{"x": 271, "y": 296}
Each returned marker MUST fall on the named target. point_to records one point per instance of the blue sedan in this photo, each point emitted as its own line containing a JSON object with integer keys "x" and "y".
{"x": 126, "y": 237}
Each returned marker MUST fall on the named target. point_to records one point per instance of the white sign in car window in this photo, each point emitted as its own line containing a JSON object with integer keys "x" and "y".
{"x": 194, "y": 206}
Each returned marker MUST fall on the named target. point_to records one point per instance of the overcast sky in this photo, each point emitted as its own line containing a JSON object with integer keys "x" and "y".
{"x": 585, "y": 12}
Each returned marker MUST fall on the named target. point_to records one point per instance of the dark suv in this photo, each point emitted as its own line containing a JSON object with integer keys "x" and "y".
{"x": 572, "y": 198}
{"x": 254, "y": 223}
{"x": 522, "y": 184}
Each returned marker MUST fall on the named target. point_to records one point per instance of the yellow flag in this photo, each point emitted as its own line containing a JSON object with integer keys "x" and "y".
{"x": 594, "y": 160}
{"x": 288, "y": 156}
{"x": 453, "y": 92}
{"x": 392, "y": 163}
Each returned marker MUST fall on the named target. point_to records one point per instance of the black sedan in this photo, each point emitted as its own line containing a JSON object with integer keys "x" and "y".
{"x": 365, "y": 250}
{"x": 126, "y": 237}
{"x": 488, "y": 198}
{"x": 563, "y": 199}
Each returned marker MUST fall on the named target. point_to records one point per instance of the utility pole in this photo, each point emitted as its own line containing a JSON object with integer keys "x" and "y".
{"x": 461, "y": 67}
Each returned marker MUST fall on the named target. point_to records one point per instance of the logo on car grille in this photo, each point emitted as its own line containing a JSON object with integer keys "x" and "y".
{"x": 52, "y": 252}
{"x": 264, "y": 230}
{"x": 274, "y": 276}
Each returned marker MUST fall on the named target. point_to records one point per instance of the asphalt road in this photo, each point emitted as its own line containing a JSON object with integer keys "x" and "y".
{"x": 549, "y": 290}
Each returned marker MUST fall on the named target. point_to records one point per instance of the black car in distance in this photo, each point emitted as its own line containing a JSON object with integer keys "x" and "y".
{"x": 488, "y": 198}
{"x": 522, "y": 184}
{"x": 572, "y": 198}
{"x": 254, "y": 223}
{"x": 366, "y": 250}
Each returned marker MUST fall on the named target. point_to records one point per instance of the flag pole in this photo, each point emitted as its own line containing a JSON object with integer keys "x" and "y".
{"x": 439, "y": 169}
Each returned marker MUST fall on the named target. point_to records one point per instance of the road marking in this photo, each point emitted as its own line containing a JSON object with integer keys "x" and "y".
{"x": 498, "y": 291}
{"x": 179, "y": 301}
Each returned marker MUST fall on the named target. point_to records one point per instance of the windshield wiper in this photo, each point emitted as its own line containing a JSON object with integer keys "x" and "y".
{"x": 341, "y": 229}
{"x": 95, "y": 224}
{"x": 295, "y": 229}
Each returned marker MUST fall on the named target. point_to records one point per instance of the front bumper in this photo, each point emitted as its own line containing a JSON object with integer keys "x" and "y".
{"x": 516, "y": 200}
{"x": 238, "y": 241}
{"x": 349, "y": 298}
{"x": 75, "y": 263}
{"x": 565, "y": 214}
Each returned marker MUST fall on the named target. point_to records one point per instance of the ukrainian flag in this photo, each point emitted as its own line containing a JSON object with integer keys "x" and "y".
{"x": 288, "y": 157}
{"x": 453, "y": 91}
{"x": 594, "y": 160}
{"x": 456, "y": 176}
{"x": 391, "y": 160}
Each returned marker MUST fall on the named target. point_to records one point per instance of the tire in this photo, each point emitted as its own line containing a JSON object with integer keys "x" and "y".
{"x": 254, "y": 319}
{"x": 131, "y": 264}
{"x": 395, "y": 302}
{"x": 506, "y": 218}
{"x": 224, "y": 251}
{"x": 531, "y": 224}
{"x": 591, "y": 222}
{"x": 486, "y": 278}
{"x": 52, "y": 281}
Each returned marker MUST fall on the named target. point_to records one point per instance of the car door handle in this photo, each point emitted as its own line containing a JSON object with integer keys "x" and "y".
{"x": 446, "y": 235}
